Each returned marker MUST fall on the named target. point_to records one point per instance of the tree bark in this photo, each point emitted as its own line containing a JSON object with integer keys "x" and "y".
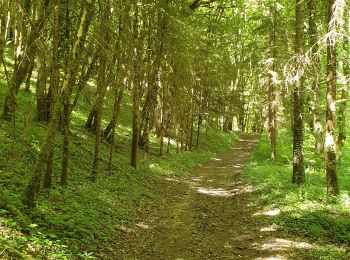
{"x": 102, "y": 83}
{"x": 298, "y": 157}
{"x": 41, "y": 99}
{"x": 55, "y": 58}
{"x": 33, "y": 188}
{"x": 345, "y": 88}
{"x": 20, "y": 71}
{"x": 315, "y": 103}
{"x": 136, "y": 97}
{"x": 271, "y": 90}
{"x": 330, "y": 145}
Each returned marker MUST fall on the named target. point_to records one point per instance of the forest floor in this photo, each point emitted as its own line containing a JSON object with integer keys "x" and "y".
{"x": 211, "y": 213}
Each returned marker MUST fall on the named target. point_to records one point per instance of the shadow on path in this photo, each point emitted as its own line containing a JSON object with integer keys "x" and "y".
{"x": 212, "y": 214}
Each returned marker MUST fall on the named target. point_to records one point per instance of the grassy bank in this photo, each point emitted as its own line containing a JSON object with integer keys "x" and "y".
{"x": 304, "y": 212}
{"x": 81, "y": 220}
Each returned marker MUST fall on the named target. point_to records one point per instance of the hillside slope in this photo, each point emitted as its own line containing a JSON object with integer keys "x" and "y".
{"x": 82, "y": 219}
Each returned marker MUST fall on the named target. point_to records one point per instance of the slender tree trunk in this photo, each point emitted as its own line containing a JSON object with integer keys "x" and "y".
{"x": 109, "y": 132}
{"x": 298, "y": 157}
{"x": 118, "y": 96}
{"x": 20, "y": 71}
{"x": 65, "y": 151}
{"x": 151, "y": 97}
{"x": 3, "y": 22}
{"x": 100, "y": 95}
{"x": 177, "y": 138}
{"x": 136, "y": 88}
{"x": 199, "y": 123}
{"x": 49, "y": 171}
{"x": 345, "y": 88}
{"x": 102, "y": 83}
{"x": 33, "y": 188}
{"x": 271, "y": 90}
{"x": 162, "y": 120}
{"x": 182, "y": 132}
{"x": 315, "y": 103}
{"x": 52, "y": 94}
{"x": 90, "y": 71}
{"x": 41, "y": 100}
{"x": 55, "y": 58}
{"x": 330, "y": 145}
{"x": 29, "y": 76}
{"x": 190, "y": 128}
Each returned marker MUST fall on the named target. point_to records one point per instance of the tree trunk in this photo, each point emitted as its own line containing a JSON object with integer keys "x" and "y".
{"x": 199, "y": 123}
{"x": 49, "y": 171}
{"x": 52, "y": 93}
{"x": 118, "y": 96}
{"x": 271, "y": 90}
{"x": 29, "y": 76}
{"x": 136, "y": 97}
{"x": 102, "y": 83}
{"x": 90, "y": 71}
{"x": 3, "y": 22}
{"x": 65, "y": 151}
{"x": 41, "y": 99}
{"x": 33, "y": 188}
{"x": 21, "y": 70}
{"x": 298, "y": 157}
{"x": 162, "y": 120}
{"x": 330, "y": 146}
{"x": 55, "y": 58}
{"x": 315, "y": 103}
{"x": 109, "y": 132}
{"x": 345, "y": 88}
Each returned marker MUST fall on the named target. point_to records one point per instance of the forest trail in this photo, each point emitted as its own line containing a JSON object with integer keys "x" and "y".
{"x": 210, "y": 214}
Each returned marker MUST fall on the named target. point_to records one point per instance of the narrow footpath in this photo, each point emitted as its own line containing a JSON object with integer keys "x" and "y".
{"x": 210, "y": 214}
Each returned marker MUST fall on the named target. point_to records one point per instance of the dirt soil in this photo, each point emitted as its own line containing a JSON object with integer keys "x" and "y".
{"x": 211, "y": 213}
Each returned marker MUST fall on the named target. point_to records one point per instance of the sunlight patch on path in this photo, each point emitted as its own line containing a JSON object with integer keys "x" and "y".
{"x": 268, "y": 229}
{"x": 272, "y": 212}
{"x": 215, "y": 192}
{"x": 220, "y": 192}
{"x": 142, "y": 225}
{"x": 271, "y": 258}
{"x": 280, "y": 244}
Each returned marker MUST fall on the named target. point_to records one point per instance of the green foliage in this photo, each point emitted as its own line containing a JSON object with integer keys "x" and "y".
{"x": 80, "y": 220}
{"x": 305, "y": 211}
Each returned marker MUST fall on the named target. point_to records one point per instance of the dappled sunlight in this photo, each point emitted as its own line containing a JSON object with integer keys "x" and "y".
{"x": 220, "y": 192}
{"x": 277, "y": 257}
{"x": 79, "y": 115}
{"x": 280, "y": 244}
{"x": 170, "y": 140}
{"x": 142, "y": 225}
{"x": 197, "y": 179}
{"x": 215, "y": 192}
{"x": 172, "y": 179}
{"x": 246, "y": 189}
{"x": 268, "y": 229}
{"x": 157, "y": 168}
{"x": 124, "y": 128}
{"x": 81, "y": 135}
{"x": 272, "y": 212}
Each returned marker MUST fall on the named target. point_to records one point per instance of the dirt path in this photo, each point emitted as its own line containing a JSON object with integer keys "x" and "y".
{"x": 210, "y": 214}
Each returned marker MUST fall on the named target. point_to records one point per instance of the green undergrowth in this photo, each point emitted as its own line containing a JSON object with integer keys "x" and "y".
{"x": 81, "y": 220}
{"x": 304, "y": 212}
